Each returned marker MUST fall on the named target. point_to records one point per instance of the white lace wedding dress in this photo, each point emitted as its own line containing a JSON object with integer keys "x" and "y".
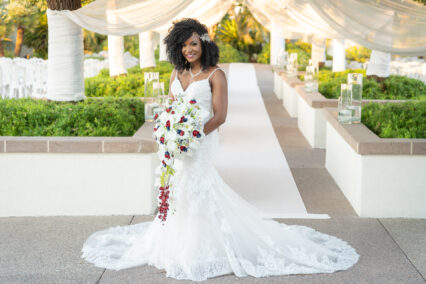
{"x": 214, "y": 231}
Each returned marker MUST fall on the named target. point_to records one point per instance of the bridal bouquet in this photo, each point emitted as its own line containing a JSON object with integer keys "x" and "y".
{"x": 178, "y": 131}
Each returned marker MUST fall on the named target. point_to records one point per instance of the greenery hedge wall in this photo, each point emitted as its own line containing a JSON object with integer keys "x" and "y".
{"x": 392, "y": 88}
{"x": 303, "y": 51}
{"x": 91, "y": 117}
{"x": 131, "y": 85}
{"x": 405, "y": 120}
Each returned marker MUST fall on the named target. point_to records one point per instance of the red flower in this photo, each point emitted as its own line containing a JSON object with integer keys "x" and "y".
{"x": 162, "y": 139}
{"x": 192, "y": 101}
{"x": 156, "y": 116}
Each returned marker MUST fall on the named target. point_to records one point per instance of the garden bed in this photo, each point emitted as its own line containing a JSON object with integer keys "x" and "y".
{"x": 380, "y": 177}
{"x": 90, "y": 117}
{"x": 310, "y": 117}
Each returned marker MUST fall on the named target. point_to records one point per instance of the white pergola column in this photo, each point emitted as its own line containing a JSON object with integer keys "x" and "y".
{"x": 318, "y": 50}
{"x": 65, "y": 67}
{"x": 116, "y": 55}
{"x": 277, "y": 42}
{"x": 163, "y": 52}
{"x": 379, "y": 64}
{"x": 339, "y": 56}
{"x": 146, "y": 49}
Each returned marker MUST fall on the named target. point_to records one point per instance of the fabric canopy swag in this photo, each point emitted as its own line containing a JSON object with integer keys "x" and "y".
{"x": 393, "y": 26}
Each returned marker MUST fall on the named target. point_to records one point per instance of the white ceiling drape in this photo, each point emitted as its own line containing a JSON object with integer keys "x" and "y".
{"x": 393, "y": 26}
{"x": 125, "y": 17}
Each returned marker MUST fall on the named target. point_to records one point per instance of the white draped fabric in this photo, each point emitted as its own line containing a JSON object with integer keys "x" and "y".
{"x": 65, "y": 65}
{"x": 379, "y": 64}
{"x": 116, "y": 55}
{"x": 318, "y": 49}
{"x": 130, "y": 16}
{"x": 146, "y": 49}
{"x": 277, "y": 43}
{"x": 387, "y": 25}
{"x": 339, "y": 57}
{"x": 163, "y": 51}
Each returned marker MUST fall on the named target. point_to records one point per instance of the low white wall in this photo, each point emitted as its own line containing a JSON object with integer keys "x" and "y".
{"x": 311, "y": 123}
{"x": 290, "y": 98}
{"x": 278, "y": 81}
{"x": 52, "y": 184}
{"x": 379, "y": 186}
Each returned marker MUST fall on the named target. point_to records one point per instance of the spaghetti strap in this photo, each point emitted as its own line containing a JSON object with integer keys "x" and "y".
{"x": 214, "y": 71}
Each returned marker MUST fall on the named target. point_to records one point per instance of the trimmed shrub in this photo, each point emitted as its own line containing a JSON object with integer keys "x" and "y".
{"x": 405, "y": 120}
{"x": 230, "y": 54}
{"x": 91, "y": 117}
{"x": 265, "y": 55}
{"x": 358, "y": 53}
{"x": 392, "y": 88}
{"x": 131, "y": 85}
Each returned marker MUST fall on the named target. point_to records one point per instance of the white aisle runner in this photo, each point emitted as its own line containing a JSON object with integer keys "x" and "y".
{"x": 250, "y": 158}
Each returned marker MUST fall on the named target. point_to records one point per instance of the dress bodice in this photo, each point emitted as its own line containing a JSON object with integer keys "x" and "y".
{"x": 200, "y": 90}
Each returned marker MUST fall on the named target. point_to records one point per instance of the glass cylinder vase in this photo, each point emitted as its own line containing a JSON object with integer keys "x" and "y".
{"x": 355, "y": 80}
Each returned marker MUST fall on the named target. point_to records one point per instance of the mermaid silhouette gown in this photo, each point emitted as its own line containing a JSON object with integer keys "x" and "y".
{"x": 214, "y": 231}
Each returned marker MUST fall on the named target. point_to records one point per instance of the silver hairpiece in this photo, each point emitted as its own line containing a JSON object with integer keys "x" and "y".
{"x": 205, "y": 37}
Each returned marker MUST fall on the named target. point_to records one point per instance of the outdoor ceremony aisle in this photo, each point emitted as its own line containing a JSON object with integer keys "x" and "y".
{"x": 250, "y": 158}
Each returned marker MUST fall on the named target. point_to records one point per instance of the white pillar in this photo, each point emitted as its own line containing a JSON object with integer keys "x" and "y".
{"x": 379, "y": 64}
{"x": 163, "y": 53}
{"x": 65, "y": 67}
{"x": 146, "y": 49}
{"x": 318, "y": 49}
{"x": 116, "y": 55}
{"x": 339, "y": 56}
{"x": 277, "y": 43}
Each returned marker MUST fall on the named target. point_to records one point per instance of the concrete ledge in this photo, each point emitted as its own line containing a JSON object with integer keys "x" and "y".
{"x": 381, "y": 178}
{"x": 364, "y": 142}
{"x": 289, "y": 95}
{"x": 140, "y": 142}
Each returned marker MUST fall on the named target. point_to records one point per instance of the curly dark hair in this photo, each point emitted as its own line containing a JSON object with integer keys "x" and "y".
{"x": 178, "y": 34}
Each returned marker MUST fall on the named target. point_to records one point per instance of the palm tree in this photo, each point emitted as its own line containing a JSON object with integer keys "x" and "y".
{"x": 22, "y": 14}
{"x": 241, "y": 30}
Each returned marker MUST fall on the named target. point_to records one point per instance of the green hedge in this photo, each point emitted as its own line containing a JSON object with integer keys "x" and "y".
{"x": 358, "y": 53}
{"x": 405, "y": 120}
{"x": 265, "y": 56}
{"x": 131, "y": 85}
{"x": 91, "y": 117}
{"x": 303, "y": 51}
{"x": 230, "y": 54}
{"x": 392, "y": 88}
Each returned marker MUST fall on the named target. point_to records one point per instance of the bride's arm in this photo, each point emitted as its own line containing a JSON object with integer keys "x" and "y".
{"x": 219, "y": 101}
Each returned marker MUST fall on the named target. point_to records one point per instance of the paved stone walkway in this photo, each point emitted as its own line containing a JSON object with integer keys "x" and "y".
{"x": 47, "y": 249}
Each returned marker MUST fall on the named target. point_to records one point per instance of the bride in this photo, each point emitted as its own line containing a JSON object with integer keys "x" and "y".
{"x": 213, "y": 230}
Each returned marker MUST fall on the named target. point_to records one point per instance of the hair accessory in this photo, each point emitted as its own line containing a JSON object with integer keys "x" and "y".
{"x": 205, "y": 37}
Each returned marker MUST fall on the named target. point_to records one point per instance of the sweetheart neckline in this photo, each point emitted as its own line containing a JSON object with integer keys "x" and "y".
{"x": 181, "y": 86}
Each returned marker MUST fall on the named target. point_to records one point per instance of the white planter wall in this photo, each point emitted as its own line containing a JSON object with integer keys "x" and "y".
{"x": 278, "y": 82}
{"x": 311, "y": 123}
{"x": 52, "y": 184}
{"x": 379, "y": 186}
{"x": 290, "y": 99}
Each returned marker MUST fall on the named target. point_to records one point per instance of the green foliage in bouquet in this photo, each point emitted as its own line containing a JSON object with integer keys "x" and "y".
{"x": 405, "y": 120}
{"x": 131, "y": 85}
{"x": 90, "y": 117}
